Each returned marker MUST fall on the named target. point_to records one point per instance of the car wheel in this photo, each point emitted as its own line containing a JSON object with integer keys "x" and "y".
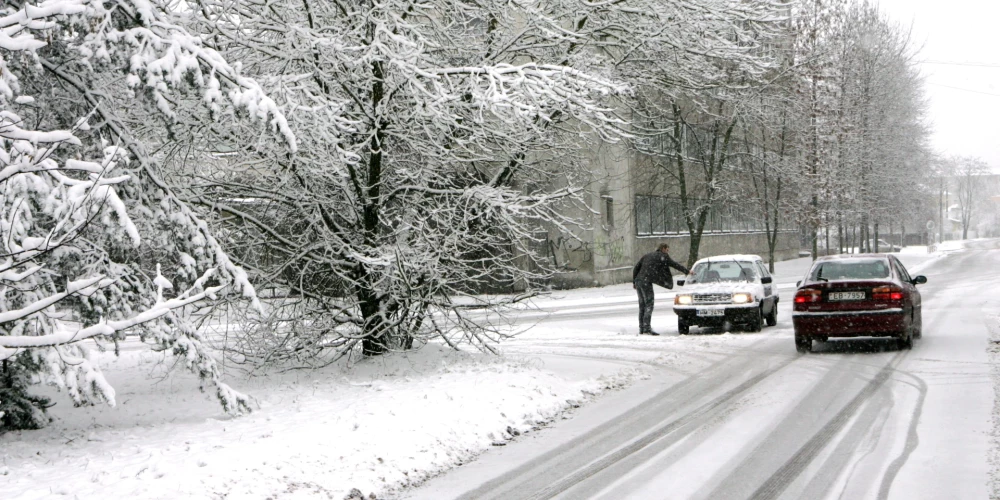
{"x": 682, "y": 327}
{"x": 772, "y": 319}
{"x": 906, "y": 341}
{"x": 918, "y": 327}
{"x": 756, "y": 322}
{"x": 803, "y": 343}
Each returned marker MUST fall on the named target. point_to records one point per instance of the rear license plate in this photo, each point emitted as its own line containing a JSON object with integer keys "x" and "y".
{"x": 847, "y": 296}
{"x": 711, "y": 312}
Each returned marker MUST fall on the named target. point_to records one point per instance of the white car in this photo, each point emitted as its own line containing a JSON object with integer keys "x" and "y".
{"x": 883, "y": 246}
{"x": 727, "y": 290}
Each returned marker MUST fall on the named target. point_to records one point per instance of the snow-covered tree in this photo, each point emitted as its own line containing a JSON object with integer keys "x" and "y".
{"x": 94, "y": 244}
{"x": 768, "y": 162}
{"x": 817, "y": 51}
{"x": 891, "y": 125}
{"x": 864, "y": 141}
{"x": 970, "y": 173}
{"x": 698, "y": 67}
{"x": 434, "y": 138}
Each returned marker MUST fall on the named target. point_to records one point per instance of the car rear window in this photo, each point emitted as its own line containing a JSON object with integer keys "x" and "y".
{"x": 851, "y": 270}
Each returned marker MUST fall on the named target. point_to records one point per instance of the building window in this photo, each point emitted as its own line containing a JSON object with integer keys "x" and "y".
{"x": 609, "y": 211}
{"x": 642, "y": 221}
{"x": 665, "y": 215}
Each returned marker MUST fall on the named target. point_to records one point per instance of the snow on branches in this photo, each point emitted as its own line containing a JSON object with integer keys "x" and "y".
{"x": 159, "y": 53}
{"x": 434, "y": 139}
{"x": 83, "y": 213}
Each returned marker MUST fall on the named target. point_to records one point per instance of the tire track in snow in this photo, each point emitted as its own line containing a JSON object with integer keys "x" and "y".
{"x": 665, "y": 435}
{"x": 616, "y": 439}
{"x": 912, "y": 437}
{"x": 912, "y": 440}
{"x": 783, "y": 477}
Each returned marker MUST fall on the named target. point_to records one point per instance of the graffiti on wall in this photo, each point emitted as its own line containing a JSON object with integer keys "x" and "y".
{"x": 570, "y": 254}
{"x": 611, "y": 248}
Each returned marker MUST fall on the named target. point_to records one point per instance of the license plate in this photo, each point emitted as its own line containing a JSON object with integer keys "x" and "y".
{"x": 711, "y": 312}
{"x": 847, "y": 296}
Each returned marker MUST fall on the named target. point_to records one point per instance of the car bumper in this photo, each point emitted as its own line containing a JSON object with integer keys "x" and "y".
{"x": 883, "y": 323}
{"x": 732, "y": 313}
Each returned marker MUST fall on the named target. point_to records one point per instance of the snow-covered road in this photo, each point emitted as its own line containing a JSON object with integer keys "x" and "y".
{"x": 580, "y": 407}
{"x": 736, "y": 416}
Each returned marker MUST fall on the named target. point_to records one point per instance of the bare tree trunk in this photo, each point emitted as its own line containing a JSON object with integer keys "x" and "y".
{"x": 863, "y": 235}
{"x": 814, "y": 161}
{"x": 941, "y": 211}
{"x": 375, "y": 334}
{"x": 840, "y": 235}
{"x": 827, "y": 228}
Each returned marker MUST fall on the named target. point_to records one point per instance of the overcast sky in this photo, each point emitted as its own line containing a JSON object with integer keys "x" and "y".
{"x": 960, "y": 42}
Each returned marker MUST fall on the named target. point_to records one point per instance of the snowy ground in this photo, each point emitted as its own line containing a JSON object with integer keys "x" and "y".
{"x": 379, "y": 426}
{"x": 382, "y": 425}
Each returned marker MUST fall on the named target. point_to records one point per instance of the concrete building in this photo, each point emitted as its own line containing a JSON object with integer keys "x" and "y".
{"x": 629, "y": 214}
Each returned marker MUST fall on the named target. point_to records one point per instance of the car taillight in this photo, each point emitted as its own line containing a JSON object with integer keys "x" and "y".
{"x": 887, "y": 293}
{"x": 807, "y": 295}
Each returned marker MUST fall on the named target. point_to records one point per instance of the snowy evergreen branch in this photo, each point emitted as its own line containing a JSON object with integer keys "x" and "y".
{"x": 76, "y": 231}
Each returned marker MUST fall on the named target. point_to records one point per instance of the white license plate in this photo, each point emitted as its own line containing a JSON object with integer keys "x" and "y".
{"x": 711, "y": 312}
{"x": 847, "y": 296}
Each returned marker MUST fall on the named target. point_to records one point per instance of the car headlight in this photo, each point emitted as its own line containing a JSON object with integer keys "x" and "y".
{"x": 742, "y": 298}
{"x": 682, "y": 300}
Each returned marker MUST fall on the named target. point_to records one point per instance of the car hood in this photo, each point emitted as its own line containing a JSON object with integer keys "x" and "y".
{"x": 725, "y": 287}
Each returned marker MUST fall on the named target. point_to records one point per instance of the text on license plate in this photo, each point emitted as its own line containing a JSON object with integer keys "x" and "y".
{"x": 847, "y": 296}
{"x": 711, "y": 312}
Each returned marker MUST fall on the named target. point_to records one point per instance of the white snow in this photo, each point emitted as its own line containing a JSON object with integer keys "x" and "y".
{"x": 381, "y": 425}
{"x": 377, "y": 426}
{"x": 729, "y": 258}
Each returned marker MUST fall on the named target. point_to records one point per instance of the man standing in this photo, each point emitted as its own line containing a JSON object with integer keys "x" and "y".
{"x": 652, "y": 268}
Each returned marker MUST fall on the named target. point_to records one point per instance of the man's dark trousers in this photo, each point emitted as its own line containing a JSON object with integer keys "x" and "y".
{"x": 645, "y": 291}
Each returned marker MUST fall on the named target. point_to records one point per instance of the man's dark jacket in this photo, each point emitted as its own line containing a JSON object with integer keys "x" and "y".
{"x": 654, "y": 267}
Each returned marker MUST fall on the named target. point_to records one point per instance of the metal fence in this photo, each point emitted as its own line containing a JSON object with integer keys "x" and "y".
{"x": 665, "y": 215}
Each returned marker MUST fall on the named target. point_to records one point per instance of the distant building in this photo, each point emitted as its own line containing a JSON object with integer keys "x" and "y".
{"x": 630, "y": 212}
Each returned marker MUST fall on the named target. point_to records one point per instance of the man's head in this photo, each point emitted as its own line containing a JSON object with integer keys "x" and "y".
{"x": 663, "y": 247}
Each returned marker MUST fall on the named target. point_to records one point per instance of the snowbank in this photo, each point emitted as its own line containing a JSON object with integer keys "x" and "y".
{"x": 390, "y": 422}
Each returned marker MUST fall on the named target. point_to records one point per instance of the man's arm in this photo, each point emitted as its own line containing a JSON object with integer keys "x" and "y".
{"x": 635, "y": 269}
{"x": 677, "y": 265}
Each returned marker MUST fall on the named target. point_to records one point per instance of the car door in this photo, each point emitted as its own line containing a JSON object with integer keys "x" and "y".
{"x": 911, "y": 289}
{"x": 768, "y": 287}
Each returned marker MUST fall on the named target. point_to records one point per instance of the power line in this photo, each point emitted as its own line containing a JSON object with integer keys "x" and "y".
{"x": 958, "y": 63}
{"x": 965, "y": 90}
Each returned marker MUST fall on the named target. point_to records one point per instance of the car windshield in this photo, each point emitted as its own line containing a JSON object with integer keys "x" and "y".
{"x": 714, "y": 272}
{"x": 850, "y": 270}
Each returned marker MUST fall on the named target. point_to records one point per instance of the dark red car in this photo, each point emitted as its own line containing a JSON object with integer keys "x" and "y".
{"x": 861, "y": 295}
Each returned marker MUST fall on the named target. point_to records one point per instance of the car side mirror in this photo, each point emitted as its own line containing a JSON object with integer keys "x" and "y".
{"x": 919, "y": 280}
{"x": 680, "y": 282}
{"x": 766, "y": 280}
{"x": 798, "y": 283}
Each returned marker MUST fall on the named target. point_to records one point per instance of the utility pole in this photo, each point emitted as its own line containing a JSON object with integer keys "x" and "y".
{"x": 941, "y": 211}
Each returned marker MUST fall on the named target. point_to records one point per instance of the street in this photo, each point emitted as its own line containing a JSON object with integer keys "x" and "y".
{"x": 743, "y": 416}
